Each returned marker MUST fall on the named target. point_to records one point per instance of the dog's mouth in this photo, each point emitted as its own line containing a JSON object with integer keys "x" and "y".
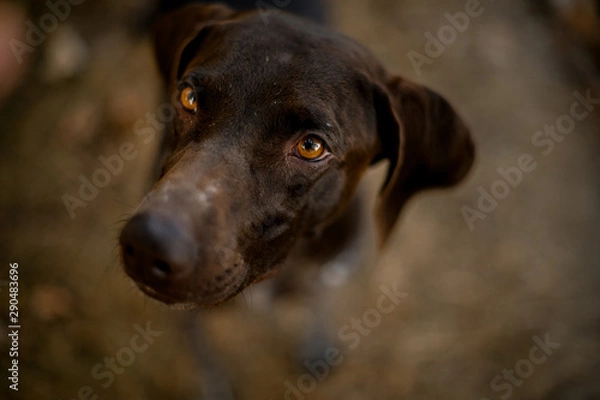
{"x": 190, "y": 299}
{"x": 179, "y": 301}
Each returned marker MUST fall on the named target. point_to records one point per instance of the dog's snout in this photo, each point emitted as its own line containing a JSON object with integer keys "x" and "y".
{"x": 156, "y": 250}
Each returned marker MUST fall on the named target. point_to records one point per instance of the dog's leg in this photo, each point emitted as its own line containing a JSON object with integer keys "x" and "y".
{"x": 318, "y": 338}
{"x": 216, "y": 383}
{"x": 352, "y": 259}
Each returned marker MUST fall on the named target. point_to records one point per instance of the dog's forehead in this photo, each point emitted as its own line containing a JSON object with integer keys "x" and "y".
{"x": 268, "y": 43}
{"x": 285, "y": 73}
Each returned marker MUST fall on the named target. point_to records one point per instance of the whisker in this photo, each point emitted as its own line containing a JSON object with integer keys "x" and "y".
{"x": 121, "y": 219}
{"x": 244, "y": 297}
{"x": 251, "y": 290}
{"x": 123, "y": 203}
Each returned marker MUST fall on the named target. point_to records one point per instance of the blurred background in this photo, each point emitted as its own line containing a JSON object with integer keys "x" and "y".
{"x": 484, "y": 288}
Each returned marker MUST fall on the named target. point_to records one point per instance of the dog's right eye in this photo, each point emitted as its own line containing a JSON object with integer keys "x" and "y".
{"x": 188, "y": 99}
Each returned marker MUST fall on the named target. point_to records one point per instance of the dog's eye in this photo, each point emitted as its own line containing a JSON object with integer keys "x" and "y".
{"x": 188, "y": 99}
{"x": 311, "y": 148}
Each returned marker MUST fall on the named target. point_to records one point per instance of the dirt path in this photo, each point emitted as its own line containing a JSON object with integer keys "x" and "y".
{"x": 513, "y": 286}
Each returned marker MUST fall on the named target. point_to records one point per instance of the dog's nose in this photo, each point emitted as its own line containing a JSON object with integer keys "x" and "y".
{"x": 156, "y": 250}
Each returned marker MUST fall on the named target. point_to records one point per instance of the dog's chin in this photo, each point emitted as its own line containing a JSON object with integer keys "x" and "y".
{"x": 189, "y": 301}
{"x": 172, "y": 300}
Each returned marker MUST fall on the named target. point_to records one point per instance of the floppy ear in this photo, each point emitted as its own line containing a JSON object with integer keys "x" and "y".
{"x": 178, "y": 35}
{"x": 427, "y": 143}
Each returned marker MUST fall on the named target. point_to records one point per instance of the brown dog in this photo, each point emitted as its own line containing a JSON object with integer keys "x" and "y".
{"x": 277, "y": 120}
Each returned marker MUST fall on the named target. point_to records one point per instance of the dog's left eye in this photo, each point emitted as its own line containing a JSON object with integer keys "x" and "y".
{"x": 311, "y": 148}
{"x": 188, "y": 99}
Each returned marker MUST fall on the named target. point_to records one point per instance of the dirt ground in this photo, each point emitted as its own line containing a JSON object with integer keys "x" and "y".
{"x": 480, "y": 302}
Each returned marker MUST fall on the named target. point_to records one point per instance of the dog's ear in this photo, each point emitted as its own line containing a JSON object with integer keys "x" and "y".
{"x": 178, "y": 35}
{"x": 427, "y": 144}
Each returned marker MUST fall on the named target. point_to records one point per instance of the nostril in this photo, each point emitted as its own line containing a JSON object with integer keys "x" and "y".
{"x": 161, "y": 269}
{"x": 129, "y": 251}
{"x": 157, "y": 250}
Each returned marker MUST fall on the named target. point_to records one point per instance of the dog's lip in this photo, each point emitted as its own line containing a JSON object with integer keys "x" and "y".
{"x": 169, "y": 299}
{"x": 234, "y": 291}
{"x": 187, "y": 301}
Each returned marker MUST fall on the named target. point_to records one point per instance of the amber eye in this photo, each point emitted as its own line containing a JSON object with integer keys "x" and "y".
{"x": 311, "y": 148}
{"x": 188, "y": 99}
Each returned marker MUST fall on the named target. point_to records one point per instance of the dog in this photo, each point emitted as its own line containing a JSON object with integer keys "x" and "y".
{"x": 277, "y": 119}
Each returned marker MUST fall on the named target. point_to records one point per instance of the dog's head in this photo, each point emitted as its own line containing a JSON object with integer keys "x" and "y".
{"x": 275, "y": 123}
